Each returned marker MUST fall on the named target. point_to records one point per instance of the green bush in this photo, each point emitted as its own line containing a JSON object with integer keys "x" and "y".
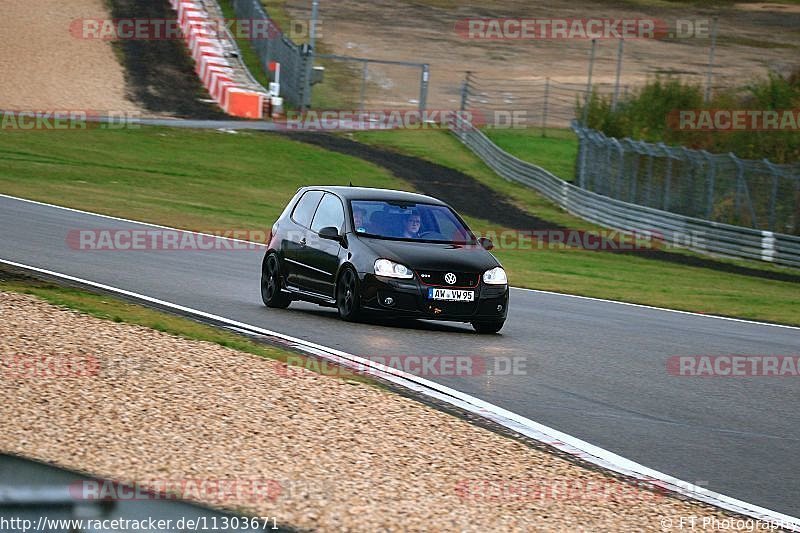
{"x": 646, "y": 116}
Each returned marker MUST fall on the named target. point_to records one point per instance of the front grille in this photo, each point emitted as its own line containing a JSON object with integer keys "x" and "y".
{"x": 435, "y": 277}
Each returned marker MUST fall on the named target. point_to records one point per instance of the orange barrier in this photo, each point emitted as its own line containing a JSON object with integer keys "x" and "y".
{"x": 212, "y": 67}
{"x": 242, "y": 103}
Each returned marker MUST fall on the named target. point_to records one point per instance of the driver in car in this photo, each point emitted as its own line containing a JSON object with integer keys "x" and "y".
{"x": 359, "y": 220}
{"x": 411, "y": 226}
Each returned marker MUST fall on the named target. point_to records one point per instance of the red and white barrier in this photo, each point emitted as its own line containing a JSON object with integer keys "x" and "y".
{"x": 212, "y": 67}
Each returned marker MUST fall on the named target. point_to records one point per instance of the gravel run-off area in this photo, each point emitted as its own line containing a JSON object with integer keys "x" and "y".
{"x": 154, "y": 409}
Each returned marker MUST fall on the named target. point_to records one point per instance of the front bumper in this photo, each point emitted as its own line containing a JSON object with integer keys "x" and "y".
{"x": 410, "y": 299}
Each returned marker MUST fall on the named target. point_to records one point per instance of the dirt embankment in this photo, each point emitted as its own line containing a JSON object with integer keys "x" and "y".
{"x": 753, "y": 38}
{"x": 45, "y": 66}
{"x": 49, "y": 64}
{"x": 160, "y": 73}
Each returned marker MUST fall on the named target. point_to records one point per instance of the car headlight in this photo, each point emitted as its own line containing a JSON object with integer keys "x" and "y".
{"x": 495, "y": 276}
{"x": 390, "y": 269}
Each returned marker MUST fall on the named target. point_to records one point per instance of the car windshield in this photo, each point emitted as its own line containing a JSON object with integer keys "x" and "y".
{"x": 410, "y": 221}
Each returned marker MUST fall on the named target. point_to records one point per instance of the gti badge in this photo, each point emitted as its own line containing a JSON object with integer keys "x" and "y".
{"x": 450, "y": 278}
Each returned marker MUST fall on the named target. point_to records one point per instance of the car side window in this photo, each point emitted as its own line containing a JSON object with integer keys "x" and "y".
{"x": 329, "y": 213}
{"x": 305, "y": 208}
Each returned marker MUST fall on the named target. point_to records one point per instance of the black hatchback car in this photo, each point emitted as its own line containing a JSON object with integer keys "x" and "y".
{"x": 374, "y": 250}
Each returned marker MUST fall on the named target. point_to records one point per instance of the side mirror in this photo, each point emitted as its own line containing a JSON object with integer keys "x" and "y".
{"x": 330, "y": 233}
{"x": 486, "y": 243}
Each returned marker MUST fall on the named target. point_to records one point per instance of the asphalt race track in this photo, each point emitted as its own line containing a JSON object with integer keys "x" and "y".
{"x": 594, "y": 369}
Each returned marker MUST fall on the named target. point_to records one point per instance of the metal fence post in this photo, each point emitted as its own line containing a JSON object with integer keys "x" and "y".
{"x": 544, "y": 106}
{"x": 608, "y": 191}
{"x": 465, "y": 91}
{"x": 712, "y": 174}
{"x": 752, "y": 210}
{"x": 736, "y": 201}
{"x": 709, "y": 74}
{"x": 667, "y": 183}
{"x": 589, "y": 83}
{"x": 620, "y": 182}
{"x": 634, "y": 180}
{"x": 795, "y": 223}
{"x": 619, "y": 73}
{"x": 364, "y": 74}
{"x": 650, "y": 162}
{"x": 686, "y": 182}
{"x": 423, "y": 87}
{"x": 309, "y": 65}
{"x": 773, "y": 198}
{"x": 741, "y": 187}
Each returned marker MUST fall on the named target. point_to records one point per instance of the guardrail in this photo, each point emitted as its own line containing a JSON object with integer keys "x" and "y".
{"x": 702, "y": 236}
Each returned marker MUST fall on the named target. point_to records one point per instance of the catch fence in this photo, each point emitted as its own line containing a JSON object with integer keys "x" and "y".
{"x": 695, "y": 183}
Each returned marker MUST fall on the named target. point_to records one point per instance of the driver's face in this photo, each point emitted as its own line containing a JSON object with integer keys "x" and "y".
{"x": 358, "y": 218}
{"x": 413, "y": 222}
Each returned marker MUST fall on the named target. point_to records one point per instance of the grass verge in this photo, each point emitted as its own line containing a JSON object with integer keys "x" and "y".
{"x": 556, "y": 150}
{"x": 198, "y": 180}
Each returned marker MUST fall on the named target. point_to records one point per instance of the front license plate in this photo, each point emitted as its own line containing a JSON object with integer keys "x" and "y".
{"x": 451, "y": 295}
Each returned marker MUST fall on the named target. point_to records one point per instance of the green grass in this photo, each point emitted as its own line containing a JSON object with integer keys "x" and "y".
{"x": 556, "y": 151}
{"x": 207, "y": 180}
{"x": 198, "y": 180}
{"x": 110, "y": 308}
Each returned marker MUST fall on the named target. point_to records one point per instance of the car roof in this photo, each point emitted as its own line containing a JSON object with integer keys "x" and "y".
{"x": 366, "y": 193}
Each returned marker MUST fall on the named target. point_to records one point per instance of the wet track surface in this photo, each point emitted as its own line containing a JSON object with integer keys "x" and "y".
{"x": 594, "y": 369}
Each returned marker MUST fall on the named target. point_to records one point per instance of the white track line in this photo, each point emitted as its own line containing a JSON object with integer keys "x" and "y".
{"x": 557, "y": 439}
{"x": 643, "y": 306}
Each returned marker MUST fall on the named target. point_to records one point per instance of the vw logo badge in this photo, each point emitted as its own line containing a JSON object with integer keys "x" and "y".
{"x": 450, "y": 278}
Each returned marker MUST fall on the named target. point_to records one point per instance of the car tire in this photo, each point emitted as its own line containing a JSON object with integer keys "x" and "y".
{"x": 348, "y": 295}
{"x": 271, "y": 292}
{"x": 488, "y": 327}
